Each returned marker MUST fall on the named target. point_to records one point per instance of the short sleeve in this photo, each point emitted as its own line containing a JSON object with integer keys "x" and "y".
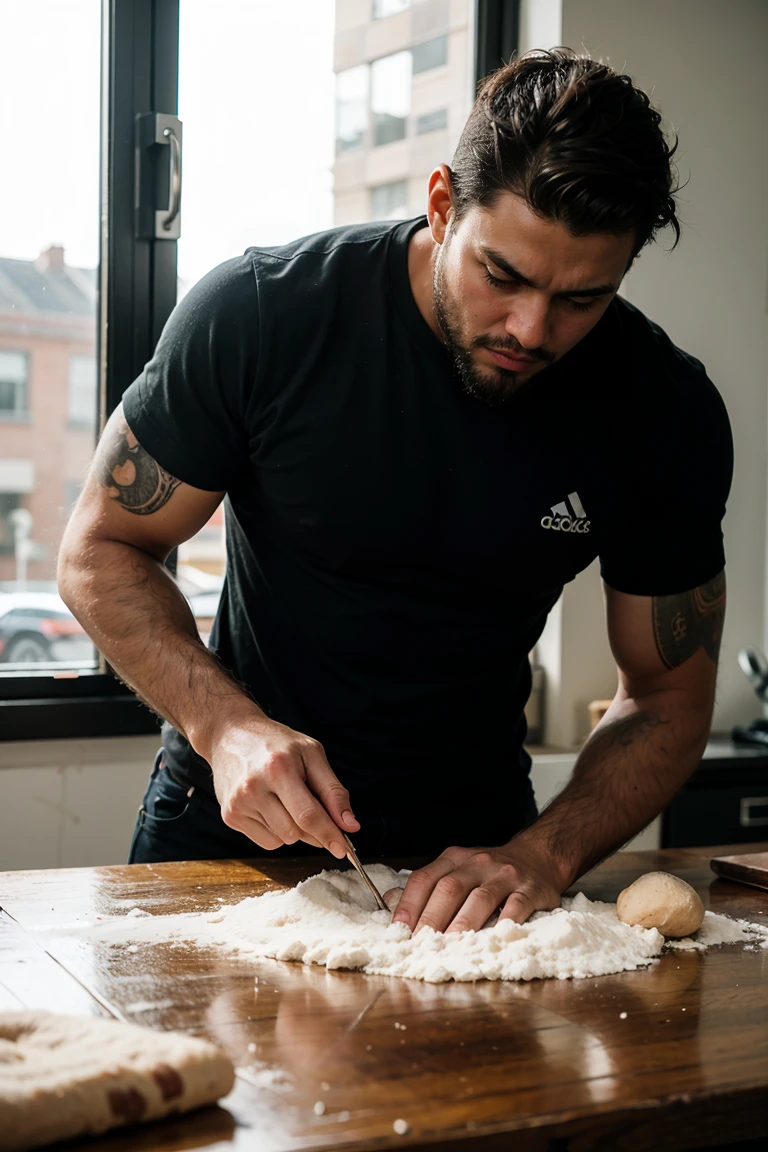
{"x": 187, "y": 408}
{"x": 669, "y": 538}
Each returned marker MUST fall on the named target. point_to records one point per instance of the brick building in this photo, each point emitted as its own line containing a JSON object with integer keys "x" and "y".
{"x": 47, "y": 401}
{"x": 404, "y": 87}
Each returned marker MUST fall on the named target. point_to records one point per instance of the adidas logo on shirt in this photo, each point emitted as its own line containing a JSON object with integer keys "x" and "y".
{"x": 568, "y": 516}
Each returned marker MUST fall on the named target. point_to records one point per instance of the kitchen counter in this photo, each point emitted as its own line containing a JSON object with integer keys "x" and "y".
{"x": 538, "y": 1066}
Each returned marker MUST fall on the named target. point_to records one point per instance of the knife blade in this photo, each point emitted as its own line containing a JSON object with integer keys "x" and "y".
{"x": 352, "y": 857}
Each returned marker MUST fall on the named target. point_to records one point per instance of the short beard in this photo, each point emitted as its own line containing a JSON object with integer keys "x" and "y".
{"x": 493, "y": 386}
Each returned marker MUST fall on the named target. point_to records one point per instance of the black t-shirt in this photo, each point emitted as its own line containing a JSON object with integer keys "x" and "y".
{"x": 394, "y": 544}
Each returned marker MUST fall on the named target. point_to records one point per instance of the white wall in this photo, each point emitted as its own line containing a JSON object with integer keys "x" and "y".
{"x": 703, "y": 62}
{"x": 71, "y": 803}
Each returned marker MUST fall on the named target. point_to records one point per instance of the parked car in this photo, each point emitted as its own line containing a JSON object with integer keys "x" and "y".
{"x": 38, "y": 628}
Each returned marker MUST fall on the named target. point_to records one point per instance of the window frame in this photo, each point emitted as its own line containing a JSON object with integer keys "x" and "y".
{"x": 139, "y": 74}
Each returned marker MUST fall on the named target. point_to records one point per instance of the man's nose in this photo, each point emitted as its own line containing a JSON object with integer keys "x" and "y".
{"x": 528, "y": 322}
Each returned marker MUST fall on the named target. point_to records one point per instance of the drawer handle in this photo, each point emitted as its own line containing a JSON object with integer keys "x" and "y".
{"x": 746, "y": 819}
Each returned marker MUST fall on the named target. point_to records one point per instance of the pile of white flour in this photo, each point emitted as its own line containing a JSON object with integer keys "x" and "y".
{"x": 329, "y": 920}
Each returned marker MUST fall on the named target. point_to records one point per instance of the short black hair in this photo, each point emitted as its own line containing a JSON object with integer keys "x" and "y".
{"x": 576, "y": 139}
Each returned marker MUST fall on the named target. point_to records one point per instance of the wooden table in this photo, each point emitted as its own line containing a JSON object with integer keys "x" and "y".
{"x": 546, "y": 1065}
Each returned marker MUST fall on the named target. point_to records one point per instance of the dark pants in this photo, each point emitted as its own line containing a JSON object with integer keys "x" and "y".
{"x": 179, "y": 822}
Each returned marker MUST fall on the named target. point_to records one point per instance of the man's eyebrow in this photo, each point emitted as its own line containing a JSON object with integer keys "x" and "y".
{"x": 504, "y": 266}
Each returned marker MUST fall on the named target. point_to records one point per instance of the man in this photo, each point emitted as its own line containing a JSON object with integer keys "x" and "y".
{"x": 423, "y": 430}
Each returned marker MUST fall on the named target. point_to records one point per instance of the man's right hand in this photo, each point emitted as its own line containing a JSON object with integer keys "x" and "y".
{"x": 276, "y": 786}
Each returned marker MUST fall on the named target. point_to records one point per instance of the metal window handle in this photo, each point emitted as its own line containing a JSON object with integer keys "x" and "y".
{"x": 166, "y": 220}
{"x": 746, "y": 819}
{"x": 158, "y": 135}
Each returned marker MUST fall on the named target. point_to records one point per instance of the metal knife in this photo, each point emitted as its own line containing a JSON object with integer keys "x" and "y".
{"x": 352, "y": 857}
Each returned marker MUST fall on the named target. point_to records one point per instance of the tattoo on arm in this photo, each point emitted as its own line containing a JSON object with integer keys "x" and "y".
{"x": 132, "y": 477}
{"x": 688, "y": 621}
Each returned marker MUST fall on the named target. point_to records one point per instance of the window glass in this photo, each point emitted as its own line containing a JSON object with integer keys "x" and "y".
{"x": 389, "y": 201}
{"x": 9, "y": 502}
{"x": 384, "y": 8}
{"x": 351, "y": 108}
{"x": 430, "y": 54}
{"x": 432, "y": 121}
{"x": 82, "y": 390}
{"x": 13, "y": 385}
{"x": 49, "y": 230}
{"x": 269, "y": 81}
{"x": 390, "y": 97}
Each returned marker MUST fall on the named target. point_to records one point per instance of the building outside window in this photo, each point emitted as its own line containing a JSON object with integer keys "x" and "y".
{"x": 9, "y": 502}
{"x": 432, "y": 121}
{"x": 384, "y": 8}
{"x": 419, "y": 95}
{"x": 351, "y": 108}
{"x": 14, "y": 370}
{"x": 82, "y": 391}
{"x": 390, "y": 97}
{"x": 389, "y": 201}
{"x": 430, "y": 54}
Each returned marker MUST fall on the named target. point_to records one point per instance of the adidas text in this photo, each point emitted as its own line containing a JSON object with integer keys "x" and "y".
{"x": 565, "y": 524}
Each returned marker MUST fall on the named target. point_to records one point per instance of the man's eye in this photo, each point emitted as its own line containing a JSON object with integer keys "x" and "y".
{"x": 496, "y": 281}
{"x": 582, "y": 305}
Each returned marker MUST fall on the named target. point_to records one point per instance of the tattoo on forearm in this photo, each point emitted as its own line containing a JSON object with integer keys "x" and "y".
{"x": 690, "y": 620}
{"x": 132, "y": 477}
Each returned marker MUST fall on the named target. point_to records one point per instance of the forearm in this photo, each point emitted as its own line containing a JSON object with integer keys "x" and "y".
{"x": 638, "y": 757}
{"x": 133, "y": 611}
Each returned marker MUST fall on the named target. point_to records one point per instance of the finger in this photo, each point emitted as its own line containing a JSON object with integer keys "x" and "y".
{"x": 450, "y": 894}
{"x": 277, "y": 818}
{"x": 272, "y": 812}
{"x": 258, "y": 832}
{"x": 518, "y": 907}
{"x": 478, "y": 908}
{"x": 329, "y": 790}
{"x": 309, "y": 814}
{"x": 392, "y": 898}
{"x": 420, "y": 886}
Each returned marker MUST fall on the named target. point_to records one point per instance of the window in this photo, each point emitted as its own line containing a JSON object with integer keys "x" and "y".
{"x": 389, "y": 201}
{"x": 430, "y": 54}
{"x": 384, "y": 8}
{"x": 48, "y": 304}
{"x": 62, "y": 274}
{"x": 390, "y": 97}
{"x": 9, "y": 502}
{"x": 82, "y": 391}
{"x": 351, "y": 109}
{"x": 13, "y": 381}
{"x": 432, "y": 121}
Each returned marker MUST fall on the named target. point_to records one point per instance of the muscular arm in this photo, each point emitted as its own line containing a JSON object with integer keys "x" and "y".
{"x": 274, "y": 784}
{"x": 131, "y": 514}
{"x": 652, "y": 736}
{"x": 640, "y": 754}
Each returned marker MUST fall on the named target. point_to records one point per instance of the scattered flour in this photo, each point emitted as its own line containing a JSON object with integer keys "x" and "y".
{"x": 328, "y": 920}
{"x": 148, "y": 1006}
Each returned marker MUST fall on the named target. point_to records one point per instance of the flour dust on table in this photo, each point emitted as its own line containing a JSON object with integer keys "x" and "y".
{"x": 329, "y": 920}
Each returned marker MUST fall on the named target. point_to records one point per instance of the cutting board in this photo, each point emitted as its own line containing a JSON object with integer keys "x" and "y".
{"x": 746, "y": 868}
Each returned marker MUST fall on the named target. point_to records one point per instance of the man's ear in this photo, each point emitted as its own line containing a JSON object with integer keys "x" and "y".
{"x": 440, "y": 210}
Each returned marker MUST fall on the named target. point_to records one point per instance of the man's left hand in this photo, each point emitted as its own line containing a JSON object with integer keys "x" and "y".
{"x": 463, "y": 888}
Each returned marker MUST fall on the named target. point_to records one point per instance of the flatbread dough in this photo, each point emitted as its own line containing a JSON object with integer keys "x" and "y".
{"x": 64, "y": 1076}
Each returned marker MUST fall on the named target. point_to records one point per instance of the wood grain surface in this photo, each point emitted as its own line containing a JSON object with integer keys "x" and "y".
{"x": 547, "y": 1065}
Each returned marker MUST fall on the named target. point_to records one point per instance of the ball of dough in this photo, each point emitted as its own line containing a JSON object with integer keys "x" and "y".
{"x": 660, "y": 900}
